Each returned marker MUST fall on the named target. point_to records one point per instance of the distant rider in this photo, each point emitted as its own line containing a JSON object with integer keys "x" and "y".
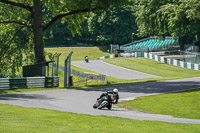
{"x": 86, "y": 59}
{"x": 113, "y": 93}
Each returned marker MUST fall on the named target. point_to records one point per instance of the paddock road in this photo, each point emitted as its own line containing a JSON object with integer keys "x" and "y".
{"x": 81, "y": 100}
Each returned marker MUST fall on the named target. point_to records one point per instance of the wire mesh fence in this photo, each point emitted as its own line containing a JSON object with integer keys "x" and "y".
{"x": 192, "y": 57}
{"x": 84, "y": 78}
{"x": 84, "y": 81}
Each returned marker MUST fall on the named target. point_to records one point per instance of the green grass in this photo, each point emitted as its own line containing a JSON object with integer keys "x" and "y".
{"x": 79, "y": 53}
{"x": 184, "y": 104}
{"x": 18, "y": 119}
{"x": 14, "y": 119}
{"x": 165, "y": 71}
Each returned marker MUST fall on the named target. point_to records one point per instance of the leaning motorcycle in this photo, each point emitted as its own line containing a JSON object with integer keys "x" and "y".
{"x": 104, "y": 102}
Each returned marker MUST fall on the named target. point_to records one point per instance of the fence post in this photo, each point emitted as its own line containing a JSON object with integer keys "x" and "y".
{"x": 57, "y": 63}
{"x": 85, "y": 81}
{"x": 53, "y": 64}
{"x": 67, "y": 70}
{"x": 106, "y": 80}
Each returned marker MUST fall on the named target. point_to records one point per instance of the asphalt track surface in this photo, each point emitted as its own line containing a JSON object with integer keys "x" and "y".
{"x": 81, "y": 100}
{"x": 112, "y": 70}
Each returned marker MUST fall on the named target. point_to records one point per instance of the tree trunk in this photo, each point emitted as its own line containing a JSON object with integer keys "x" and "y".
{"x": 181, "y": 43}
{"x": 38, "y": 32}
{"x": 198, "y": 40}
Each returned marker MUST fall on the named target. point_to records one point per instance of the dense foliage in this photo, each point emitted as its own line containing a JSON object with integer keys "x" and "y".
{"x": 113, "y": 27}
{"x": 36, "y": 16}
{"x": 178, "y": 18}
{"x": 99, "y": 22}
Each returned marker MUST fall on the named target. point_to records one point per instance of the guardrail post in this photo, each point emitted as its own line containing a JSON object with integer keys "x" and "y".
{"x": 85, "y": 81}
{"x": 67, "y": 70}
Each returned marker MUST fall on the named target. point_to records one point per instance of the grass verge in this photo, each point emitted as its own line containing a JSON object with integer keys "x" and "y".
{"x": 165, "y": 71}
{"x": 33, "y": 120}
{"x": 183, "y": 104}
{"x": 79, "y": 53}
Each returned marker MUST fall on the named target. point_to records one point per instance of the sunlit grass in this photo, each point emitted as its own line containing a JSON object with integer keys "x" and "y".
{"x": 165, "y": 71}
{"x": 79, "y": 53}
{"x": 183, "y": 104}
{"x": 14, "y": 119}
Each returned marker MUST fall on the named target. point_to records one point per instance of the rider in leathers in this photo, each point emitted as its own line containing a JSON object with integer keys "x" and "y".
{"x": 114, "y": 93}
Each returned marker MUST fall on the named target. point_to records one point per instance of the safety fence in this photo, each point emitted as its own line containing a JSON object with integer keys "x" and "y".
{"x": 89, "y": 75}
{"x": 174, "y": 62}
{"x": 29, "y": 82}
{"x": 193, "y": 57}
{"x": 85, "y": 78}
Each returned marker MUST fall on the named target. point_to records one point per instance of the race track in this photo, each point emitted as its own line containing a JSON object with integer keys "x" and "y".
{"x": 81, "y": 100}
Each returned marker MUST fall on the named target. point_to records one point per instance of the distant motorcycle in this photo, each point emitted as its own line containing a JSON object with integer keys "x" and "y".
{"x": 104, "y": 102}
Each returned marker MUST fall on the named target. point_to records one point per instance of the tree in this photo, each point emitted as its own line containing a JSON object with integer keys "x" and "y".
{"x": 56, "y": 36}
{"x": 147, "y": 17}
{"x": 9, "y": 52}
{"x": 30, "y": 15}
{"x": 193, "y": 14}
{"x": 177, "y": 18}
{"x": 113, "y": 28}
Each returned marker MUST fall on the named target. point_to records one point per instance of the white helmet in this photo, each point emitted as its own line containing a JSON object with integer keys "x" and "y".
{"x": 115, "y": 90}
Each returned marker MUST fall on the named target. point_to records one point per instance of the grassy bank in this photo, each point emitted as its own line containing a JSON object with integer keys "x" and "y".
{"x": 165, "y": 71}
{"x": 16, "y": 119}
{"x": 184, "y": 104}
{"x": 79, "y": 53}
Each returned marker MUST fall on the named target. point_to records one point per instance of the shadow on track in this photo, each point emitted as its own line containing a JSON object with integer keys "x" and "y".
{"x": 150, "y": 87}
{"x": 24, "y": 96}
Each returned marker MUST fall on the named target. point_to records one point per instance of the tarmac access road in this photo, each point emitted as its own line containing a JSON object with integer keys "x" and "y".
{"x": 112, "y": 70}
{"x": 81, "y": 100}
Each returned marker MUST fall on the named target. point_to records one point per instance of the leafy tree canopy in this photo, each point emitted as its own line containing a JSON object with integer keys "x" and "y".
{"x": 175, "y": 17}
{"x": 36, "y": 16}
{"x": 113, "y": 28}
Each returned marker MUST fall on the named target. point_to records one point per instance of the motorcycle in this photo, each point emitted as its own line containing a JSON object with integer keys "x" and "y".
{"x": 104, "y": 102}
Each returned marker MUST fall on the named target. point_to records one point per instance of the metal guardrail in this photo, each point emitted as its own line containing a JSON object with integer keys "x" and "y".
{"x": 29, "y": 82}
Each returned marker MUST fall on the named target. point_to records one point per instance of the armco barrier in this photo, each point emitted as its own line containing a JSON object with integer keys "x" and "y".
{"x": 29, "y": 82}
{"x": 174, "y": 62}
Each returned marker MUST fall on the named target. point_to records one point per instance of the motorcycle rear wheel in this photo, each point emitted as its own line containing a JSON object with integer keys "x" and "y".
{"x": 103, "y": 105}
